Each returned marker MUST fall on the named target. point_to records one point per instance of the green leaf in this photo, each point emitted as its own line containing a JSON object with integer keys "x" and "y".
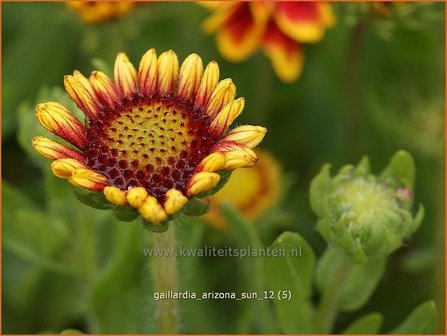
{"x": 153, "y": 227}
{"x": 368, "y": 324}
{"x": 122, "y": 294}
{"x": 248, "y": 236}
{"x": 423, "y": 319}
{"x": 195, "y": 207}
{"x": 93, "y": 199}
{"x": 28, "y": 232}
{"x": 401, "y": 168}
{"x": 363, "y": 168}
{"x": 320, "y": 188}
{"x": 224, "y": 177}
{"x": 292, "y": 273}
{"x": 125, "y": 213}
{"x": 360, "y": 280}
{"x": 239, "y": 225}
{"x": 189, "y": 233}
{"x": 49, "y": 306}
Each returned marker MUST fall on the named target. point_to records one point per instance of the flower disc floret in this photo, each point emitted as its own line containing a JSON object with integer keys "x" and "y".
{"x": 154, "y": 145}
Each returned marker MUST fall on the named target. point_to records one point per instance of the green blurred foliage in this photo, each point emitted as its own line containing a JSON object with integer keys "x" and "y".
{"x": 294, "y": 316}
{"x": 66, "y": 266}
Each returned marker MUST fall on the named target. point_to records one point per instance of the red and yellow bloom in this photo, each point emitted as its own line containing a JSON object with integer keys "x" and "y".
{"x": 154, "y": 138}
{"x": 100, "y": 11}
{"x": 278, "y": 28}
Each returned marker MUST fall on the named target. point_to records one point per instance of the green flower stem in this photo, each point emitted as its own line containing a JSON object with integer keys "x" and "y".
{"x": 330, "y": 298}
{"x": 165, "y": 279}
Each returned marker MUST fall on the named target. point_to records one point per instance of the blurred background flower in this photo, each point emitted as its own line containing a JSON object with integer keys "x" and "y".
{"x": 100, "y": 11}
{"x": 278, "y": 28}
{"x": 252, "y": 191}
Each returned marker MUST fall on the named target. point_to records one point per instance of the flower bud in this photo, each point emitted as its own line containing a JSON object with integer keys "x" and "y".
{"x": 366, "y": 215}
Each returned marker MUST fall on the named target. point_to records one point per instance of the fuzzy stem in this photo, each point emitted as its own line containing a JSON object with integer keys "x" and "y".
{"x": 165, "y": 279}
{"x": 331, "y": 295}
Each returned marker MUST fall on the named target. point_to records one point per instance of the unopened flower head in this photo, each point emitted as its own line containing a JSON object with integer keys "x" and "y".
{"x": 368, "y": 216}
{"x": 154, "y": 138}
{"x": 251, "y": 190}
{"x": 100, "y": 11}
{"x": 278, "y": 28}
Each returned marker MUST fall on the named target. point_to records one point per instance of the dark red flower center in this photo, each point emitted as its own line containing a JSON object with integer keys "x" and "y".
{"x": 155, "y": 144}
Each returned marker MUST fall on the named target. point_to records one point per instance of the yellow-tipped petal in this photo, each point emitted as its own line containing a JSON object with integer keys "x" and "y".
{"x": 213, "y": 4}
{"x": 202, "y": 182}
{"x": 83, "y": 81}
{"x": 190, "y": 76}
{"x": 54, "y": 150}
{"x": 327, "y": 15}
{"x": 125, "y": 75}
{"x": 105, "y": 89}
{"x": 64, "y": 168}
{"x": 136, "y": 196}
{"x": 152, "y": 211}
{"x": 167, "y": 72}
{"x": 285, "y": 54}
{"x": 217, "y": 19}
{"x": 147, "y": 72}
{"x": 88, "y": 179}
{"x": 82, "y": 94}
{"x": 238, "y": 51}
{"x": 175, "y": 200}
{"x": 239, "y": 159}
{"x": 115, "y": 195}
{"x": 304, "y": 22}
{"x": 211, "y": 163}
{"x": 228, "y": 114}
{"x": 222, "y": 95}
{"x": 247, "y": 135}
{"x": 56, "y": 118}
{"x": 240, "y": 35}
{"x": 237, "y": 156}
{"x": 208, "y": 84}
{"x": 262, "y": 11}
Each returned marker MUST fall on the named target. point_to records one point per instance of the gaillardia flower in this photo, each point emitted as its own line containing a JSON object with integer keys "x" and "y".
{"x": 251, "y": 190}
{"x": 100, "y": 11}
{"x": 155, "y": 138}
{"x": 366, "y": 215}
{"x": 279, "y": 28}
